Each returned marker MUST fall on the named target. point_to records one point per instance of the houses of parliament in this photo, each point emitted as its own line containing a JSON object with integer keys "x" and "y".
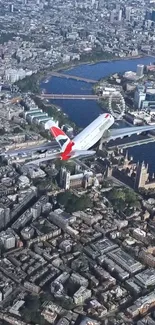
{"x": 134, "y": 174}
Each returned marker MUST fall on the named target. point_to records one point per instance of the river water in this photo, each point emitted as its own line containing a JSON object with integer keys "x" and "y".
{"x": 83, "y": 112}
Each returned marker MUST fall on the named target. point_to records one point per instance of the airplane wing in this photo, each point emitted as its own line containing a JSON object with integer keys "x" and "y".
{"x": 49, "y": 157}
{"x": 57, "y": 155}
{"x": 123, "y": 132}
{"x": 30, "y": 149}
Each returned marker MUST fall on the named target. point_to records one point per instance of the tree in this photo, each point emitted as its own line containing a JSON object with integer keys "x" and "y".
{"x": 122, "y": 198}
{"x": 80, "y": 204}
{"x": 64, "y": 197}
{"x": 31, "y": 313}
{"x": 26, "y": 315}
{"x": 116, "y": 194}
{"x": 73, "y": 203}
{"x": 130, "y": 196}
{"x": 32, "y": 302}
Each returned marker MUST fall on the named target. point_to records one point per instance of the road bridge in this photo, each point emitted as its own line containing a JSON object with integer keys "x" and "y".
{"x": 68, "y": 96}
{"x": 133, "y": 144}
{"x": 68, "y": 76}
{"x": 74, "y": 96}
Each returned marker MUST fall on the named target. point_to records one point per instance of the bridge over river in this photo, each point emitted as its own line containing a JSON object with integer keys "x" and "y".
{"x": 68, "y": 76}
{"x": 116, "y": 96}
{"x": 133, "y": 143}
{"x": 68, "y": 96}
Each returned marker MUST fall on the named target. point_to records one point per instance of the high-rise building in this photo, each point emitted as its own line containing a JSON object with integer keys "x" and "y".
{"x": 2, "y": 55}
{"x": 139, "y": 97}
{"x": 148, "y": 15}
{"x": 81, "y": 295}
{"x": 128, "y": 13}
{"x": 153, "y": 15}
{"x": 62, "y": 175}
{"x": 112, "y": 16}
{"x": 140, "y": 70}
{"x": 150, "y": 95}
{"x": 67, "y": 180}
{"x": 2, "y": 216}
{"x": 117, "y": 6}
{"x": 6, "y": 216}
{"x": 120, "y": 15}
{"x": 11, "y": 8}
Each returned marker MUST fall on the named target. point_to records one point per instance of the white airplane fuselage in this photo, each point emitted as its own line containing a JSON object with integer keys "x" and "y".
{"x": 81, "y": 144}
{"x": 93, "y": 132}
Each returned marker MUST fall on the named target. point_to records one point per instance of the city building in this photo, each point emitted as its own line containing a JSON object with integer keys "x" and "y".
{"x": 125, "y": 261}
{"x": 139, "y": 97}
{"x": 142, "y": 305}
{"x": 81, "y": 295}
{"x": 140, "y": 70}
{"x": 128, "y": 13}
{"x": 84, "y": 179}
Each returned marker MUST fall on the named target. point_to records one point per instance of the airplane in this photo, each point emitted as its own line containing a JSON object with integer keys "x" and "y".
{"x": 80, "y": 145}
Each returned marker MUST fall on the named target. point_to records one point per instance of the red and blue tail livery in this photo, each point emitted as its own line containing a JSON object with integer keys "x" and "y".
{"x": 82, "y": 142}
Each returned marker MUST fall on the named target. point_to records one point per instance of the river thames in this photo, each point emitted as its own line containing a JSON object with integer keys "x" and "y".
{"x": 83, "y": 112}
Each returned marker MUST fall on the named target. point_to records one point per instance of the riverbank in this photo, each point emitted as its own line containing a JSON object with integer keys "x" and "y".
{"x": 71, "y": 64}
{"x": 55, "y": 112}
{"x": 32, "y": 83}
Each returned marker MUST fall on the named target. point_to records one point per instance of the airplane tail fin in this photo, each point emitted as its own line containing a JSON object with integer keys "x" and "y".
{"x": 59, "y": 135}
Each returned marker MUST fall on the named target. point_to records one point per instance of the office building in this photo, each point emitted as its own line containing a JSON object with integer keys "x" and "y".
{"x": 7, "y": 216}
{"x": 31, "y": 112}
{"x": 11, "y": 8}
{"x": 148, "y": 15}
{"x": 150, "y": 95}
{"x": 93, "y": 3}
{"x": 63, "y": 321}
{"x": 139, "y": 96}
{"x": 142, "y": 305}
{"x": 112, "y": 16}
{"x": 153, "y": 15}
{"x": 140, "y": 70}
{"x": 2, "y": 218}
{"x": 27, "y": 233}
{"x": 35, "y": 116}
{"x": 79, "y": 279}
{"x": 13, "y": 75}
{"x": 118, "y": 6}
{"x": 2, "y": 55}
{"x": 8, "y": 239}
{"x": 89, "y": 321}
{"x": 146, "y": 278}
{"x": 81, "y": 295}
{"x": 120, "y": 15}
{"x": 126, "y": 261}
{"x": 128, "y": 13}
